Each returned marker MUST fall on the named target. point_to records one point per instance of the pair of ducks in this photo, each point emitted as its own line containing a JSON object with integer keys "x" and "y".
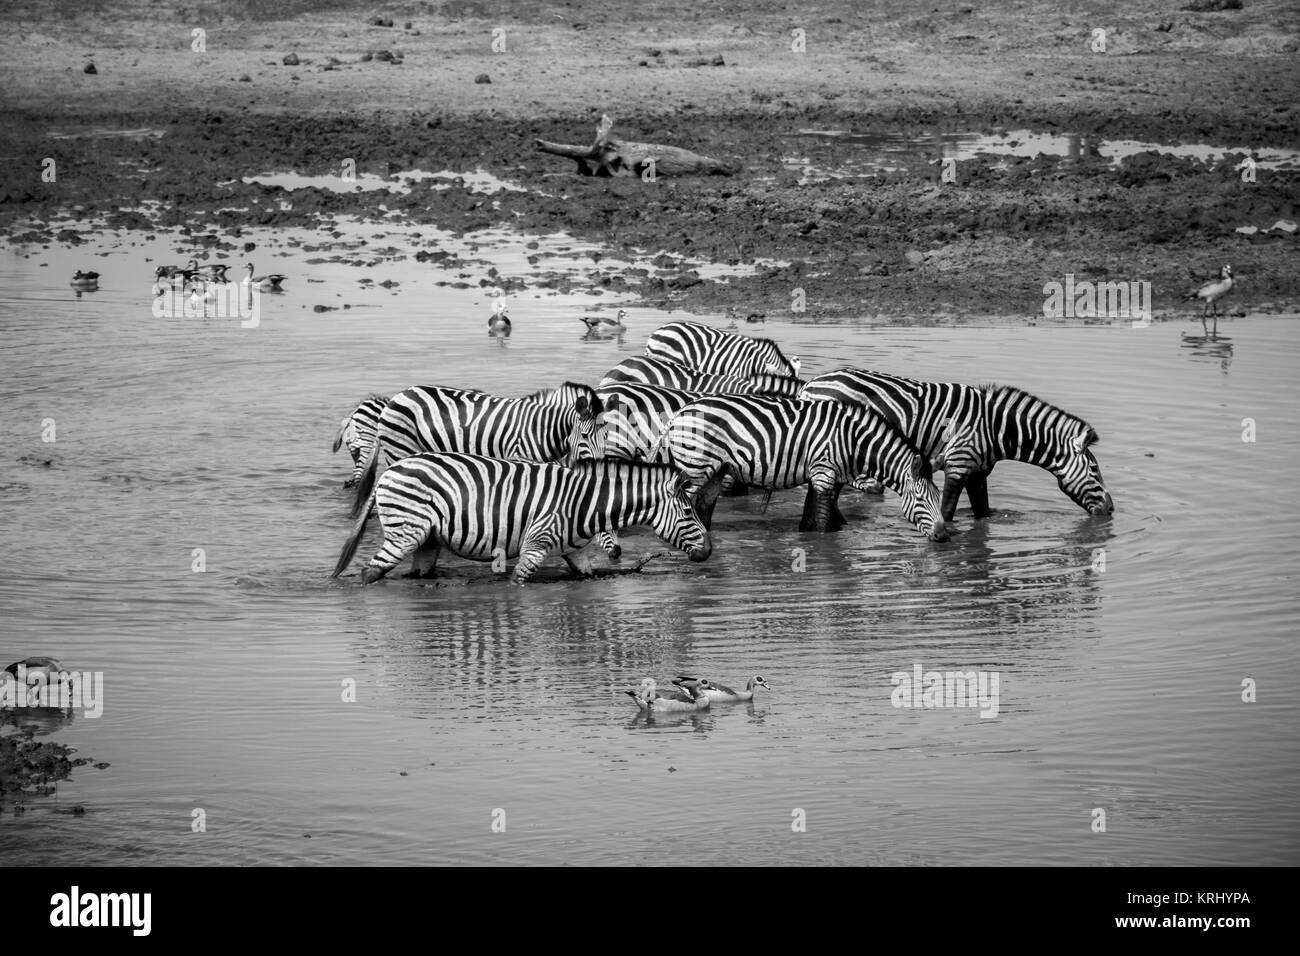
{"x": 193, "y": 276}
{"x": 694, "y": 694}
{"x": 499, "y": 321}
{"x": 85, "y": 281}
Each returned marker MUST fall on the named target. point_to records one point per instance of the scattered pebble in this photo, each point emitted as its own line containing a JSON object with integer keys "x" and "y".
{"x": 291, "y": 60}
{"x": 89, "y": 68}
{"x": 482, "y": 78}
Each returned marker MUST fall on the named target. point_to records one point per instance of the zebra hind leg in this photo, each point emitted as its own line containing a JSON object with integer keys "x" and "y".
{"x": 400, "y": 539}
{"x": 425, "y": 560}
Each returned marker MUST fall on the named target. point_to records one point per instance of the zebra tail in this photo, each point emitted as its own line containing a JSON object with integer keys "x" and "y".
{"x": 366, "y": 483}
{"x": 350, "y": 546}
{"x": 343, "y": 430}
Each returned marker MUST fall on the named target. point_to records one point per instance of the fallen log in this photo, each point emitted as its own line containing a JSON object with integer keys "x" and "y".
{"x": 611, "y": 157}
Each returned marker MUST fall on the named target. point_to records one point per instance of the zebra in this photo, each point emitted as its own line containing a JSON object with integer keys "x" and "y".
{"x": 537, "y": 427}
{"x": 625, "y": 426}
{"x": 358, "y": 431}
{"x": 483, "y": 508}
{"x": 781, "y": 443}
{"x": 967, "y": 429}
{"x": 707, "y": 349}
{"x": 644, "y": 370}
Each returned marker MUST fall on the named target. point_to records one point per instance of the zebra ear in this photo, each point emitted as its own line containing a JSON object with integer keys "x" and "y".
{"x": 581, "y": 407}
{"x": 920, "y": 468}
{"x": 1082, "y": 440}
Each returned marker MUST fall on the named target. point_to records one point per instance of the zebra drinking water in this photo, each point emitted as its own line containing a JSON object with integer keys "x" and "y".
{"x": 968, "y": 429}
{"x": 706, "y": 349}
{"x": 481, "y": 508}
{"x": 537, "y": 427}
{"x": 781, "y": 443}
{"x": 358, "y": 432}
{"x": 645, "y": 370}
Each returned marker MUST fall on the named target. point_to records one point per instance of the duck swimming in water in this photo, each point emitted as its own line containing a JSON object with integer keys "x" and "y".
{"x": 86, "y": 281}
{"x": 724, "y": 694}
{"x": 603, "y": 323}
{"x": 692, "y": 697}
{"x": 499, "y": 322}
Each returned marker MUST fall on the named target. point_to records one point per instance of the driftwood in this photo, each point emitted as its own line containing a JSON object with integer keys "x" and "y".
{"x": 611, "y": 157}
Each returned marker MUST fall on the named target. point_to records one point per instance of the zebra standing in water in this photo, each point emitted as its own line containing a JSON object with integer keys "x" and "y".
{"x": 643, "y": 370}
{"x": 358, "y": 431}
{"x": 969, "y": 429}
{"x": 480, "y": 508}
{"x": 625, "y": 426}
{"x": 431, "y": 418}
{"x": 707, "y": 349}
{"x": 781, "y": 443}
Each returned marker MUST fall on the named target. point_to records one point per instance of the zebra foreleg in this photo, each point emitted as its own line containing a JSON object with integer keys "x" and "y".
{"x": 977, "y": 491}
{"x": 821, "y": 510}
{"x": 609, "y": 544}
{"x": 706, "y": 498}
{"x": 953, "y": 485}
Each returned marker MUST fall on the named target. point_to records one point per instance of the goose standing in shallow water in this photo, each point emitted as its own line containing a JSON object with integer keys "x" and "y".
{"x": 499, "y": 322}
{"x": 650, "y": 699}
{"x": 266, "y": 283}
{"x": 600, "y": 323}
{"x": 723, "y": 693}
{"x": 1212, "y": 292}
{"x": 87, "y": 281}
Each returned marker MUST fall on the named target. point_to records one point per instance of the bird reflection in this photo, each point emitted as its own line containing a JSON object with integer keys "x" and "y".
{"x": 1210, "y": 347}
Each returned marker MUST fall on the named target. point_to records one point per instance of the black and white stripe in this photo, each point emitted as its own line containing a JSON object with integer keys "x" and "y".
{"x": 481, "y": 508}
{"x": 431, "y": 418}
{"x": 782, "y": 443}
{"x": 358, "y": 432}
{"x": 718, "y": 351}
{"x": 665, "y": 373}
{"x": 968, "y": 429}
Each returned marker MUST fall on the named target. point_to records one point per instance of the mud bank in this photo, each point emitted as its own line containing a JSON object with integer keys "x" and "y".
{"x": 144, "y": 145}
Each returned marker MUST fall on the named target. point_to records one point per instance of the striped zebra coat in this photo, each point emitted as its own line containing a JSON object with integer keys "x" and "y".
{"x": 358, "y": 431}
{"x": 424, "y": 419}
{"x": 968, "y": 429}
{"x": 782, "y": 443}
{"x": 485, "y": 508}
{"x": 706, "y": 349}
{"x": 644, "y": 370}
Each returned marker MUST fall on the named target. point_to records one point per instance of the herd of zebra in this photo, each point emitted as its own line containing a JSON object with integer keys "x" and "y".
{"x": 664, "y": 434}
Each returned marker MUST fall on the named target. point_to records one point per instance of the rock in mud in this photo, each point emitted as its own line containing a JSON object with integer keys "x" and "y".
{"x": 291, "y": 60}
{"x": 482, "y": 78}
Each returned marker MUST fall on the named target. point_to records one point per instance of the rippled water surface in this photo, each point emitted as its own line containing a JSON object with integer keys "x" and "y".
{"x": 1120, "y": 689}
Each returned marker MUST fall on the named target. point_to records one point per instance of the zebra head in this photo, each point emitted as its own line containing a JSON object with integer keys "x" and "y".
{"x": 675, "y": 519}
{"x": 587, "y": 440}
{"x": 777, "y": 363}
{"x": 1079, "y": 475}
{"x": 551, "y": 436}
{"x": 920, "y": 500}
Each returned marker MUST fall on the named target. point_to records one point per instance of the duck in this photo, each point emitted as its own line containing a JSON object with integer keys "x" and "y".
{"x": 723, "y": 693}
{"x": 603, "y": 323}
{"x": 85, "y": 280}
{"x": 215, "y": 272}
{"x": 756, "y": 317}
{"x": 202, "y": 293}
{"x": 1212, "y": 292}
{"x": 266, "y": 283}
{"x": 46, "y": 666}
{"x": 499, "y": 322}
{"x": 692, "y": 697}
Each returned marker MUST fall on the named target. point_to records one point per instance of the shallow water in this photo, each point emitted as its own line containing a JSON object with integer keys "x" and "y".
{"x": 888, "y": 152}
{"x": 1120, "y": 688}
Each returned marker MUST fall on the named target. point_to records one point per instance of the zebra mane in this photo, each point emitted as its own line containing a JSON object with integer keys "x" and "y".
{"x": 374, "y": 397}
{"x": 543, "y": 393}
{"x": 993, "y": 389}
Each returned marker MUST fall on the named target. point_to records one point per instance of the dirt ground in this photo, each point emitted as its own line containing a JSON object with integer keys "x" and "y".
{"x": 720, "y": 78}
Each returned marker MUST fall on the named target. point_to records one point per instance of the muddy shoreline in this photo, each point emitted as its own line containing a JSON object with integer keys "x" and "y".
{"x": 898, "y": 243}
